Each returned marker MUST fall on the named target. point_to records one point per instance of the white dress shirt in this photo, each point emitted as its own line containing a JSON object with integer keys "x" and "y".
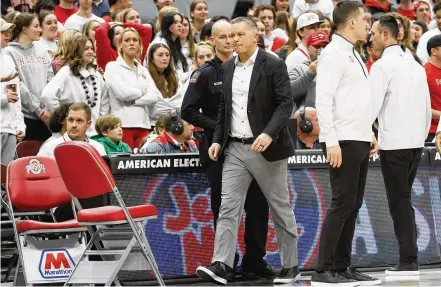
{"x": 422, "y": 45}
{"x": 240, "y": 125}
{"x": 343, "y": 97}
{"x": 47, "y": 150}
{"x": 400, "y": 100}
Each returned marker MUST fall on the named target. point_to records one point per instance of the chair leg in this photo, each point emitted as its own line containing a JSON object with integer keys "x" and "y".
{"x": 11, "y": 265}
{"x": 121, "y": 261}
{"x": 145, "y": 247}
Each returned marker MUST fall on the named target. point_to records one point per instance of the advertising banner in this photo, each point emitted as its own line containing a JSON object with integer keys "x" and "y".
{"x": 182, "y": 237}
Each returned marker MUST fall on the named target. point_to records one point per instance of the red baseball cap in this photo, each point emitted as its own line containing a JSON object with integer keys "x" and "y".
{"x": 317, "y": 38}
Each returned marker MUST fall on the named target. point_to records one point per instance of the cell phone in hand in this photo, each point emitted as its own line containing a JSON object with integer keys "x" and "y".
{"x": 12, "y": 87}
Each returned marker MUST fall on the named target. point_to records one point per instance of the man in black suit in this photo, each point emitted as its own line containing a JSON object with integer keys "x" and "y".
{"x": 252, "y": 132}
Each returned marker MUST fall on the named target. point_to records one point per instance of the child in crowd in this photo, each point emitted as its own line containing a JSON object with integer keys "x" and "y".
{"x": 110, "y": 134}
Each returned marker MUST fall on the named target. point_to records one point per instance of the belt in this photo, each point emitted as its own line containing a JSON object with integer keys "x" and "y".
{"x": 243, "y": 141}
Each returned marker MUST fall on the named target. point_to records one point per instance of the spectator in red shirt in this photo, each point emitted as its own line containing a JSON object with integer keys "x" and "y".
{"x": 433, "y": 71}
{"x": 407, "y": 9}
{"x": 64, "y": 10}
{"x": 422, "y": 11}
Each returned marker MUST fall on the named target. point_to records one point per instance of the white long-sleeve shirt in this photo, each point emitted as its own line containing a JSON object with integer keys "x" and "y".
{"x": 67, "y": 88}
{"x": 324, "y": 6}
{"x": 422, "y": 45}
{"x": 11, "y": 116}
{"x": 343, "y": 98}
{"x": 126, "y": 85}
{"x": 400, "y": 100}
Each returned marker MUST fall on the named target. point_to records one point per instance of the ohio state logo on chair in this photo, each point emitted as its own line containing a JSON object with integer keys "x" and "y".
{"x": 48, "y": 251}
{"x": 93, "y": 178}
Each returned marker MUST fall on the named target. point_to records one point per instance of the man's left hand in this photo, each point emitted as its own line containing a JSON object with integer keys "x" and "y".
{"x": 374, "y": 147}
{"x": 261, "y": 143}
{"x": 438, "y": 142}
{"x": 20, "y": 135}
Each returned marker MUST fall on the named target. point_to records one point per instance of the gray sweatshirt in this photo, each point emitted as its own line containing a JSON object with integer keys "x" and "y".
{"x": 33, "y": 64}
{"x": 302, "y": 85}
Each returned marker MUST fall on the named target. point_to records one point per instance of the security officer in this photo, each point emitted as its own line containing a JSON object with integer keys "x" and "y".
{"x": 203, "y": 93}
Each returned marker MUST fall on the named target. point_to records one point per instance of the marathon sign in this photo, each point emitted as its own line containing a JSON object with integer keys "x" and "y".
{"x": 182, "y": 235}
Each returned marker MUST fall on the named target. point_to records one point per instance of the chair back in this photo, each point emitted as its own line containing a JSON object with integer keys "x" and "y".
{"x": 83, "y": 169}
{"x": 28, "y": 148}
{"x": 35, "y": 184}
{"x": 3, "y": 174}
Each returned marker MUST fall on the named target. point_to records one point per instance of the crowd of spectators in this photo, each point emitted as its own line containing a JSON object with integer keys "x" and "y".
{"x": 133, "y": 75}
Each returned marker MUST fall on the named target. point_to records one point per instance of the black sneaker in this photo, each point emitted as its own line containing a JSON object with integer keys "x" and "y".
{"x": 329, "y": 278}
{"x": 290, "y": 275}
{"x": 363, "y": 279}
{"x": 217, "y": 273}
{"x": 263, "y": 270}
{"x": 411, "y": 269}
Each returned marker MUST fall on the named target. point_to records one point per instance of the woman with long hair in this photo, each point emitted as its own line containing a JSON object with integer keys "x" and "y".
{"x": 166, "y": 80}
{"x": 108, "y": 36}
{"x": 280, "y": 5}
{"x": 199, "y": 15}
{"x": 79, "y": 81}
{"x": 49, "y": 34}
{"x": 89, "y": 29}
{"x": 291, "y": 45}
{"x": 171, "y": 30}
{"x": 33, "y": 63}
{"x": 244, "y": 8}
{"x": 326, "y": 26}
{"x": 187, "y": 41}
{"x": 131, "y": 89}
{"x": 65, "y": 49}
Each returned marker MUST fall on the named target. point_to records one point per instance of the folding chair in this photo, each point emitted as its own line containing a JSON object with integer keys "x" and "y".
{"x": 28, "y": 148}
{"x": 48, "y": 251}
{"x": 93, "y": 178}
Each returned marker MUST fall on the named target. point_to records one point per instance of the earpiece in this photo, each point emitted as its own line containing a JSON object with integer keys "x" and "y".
{"x": 305, "y": 125}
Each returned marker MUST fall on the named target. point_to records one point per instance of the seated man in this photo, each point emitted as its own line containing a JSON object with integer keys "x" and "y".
{"x": 176, "y": 138}
{"x": 110, "y": 134}
{"x": 79, "y": 119}
{"x": 307, "y": 138}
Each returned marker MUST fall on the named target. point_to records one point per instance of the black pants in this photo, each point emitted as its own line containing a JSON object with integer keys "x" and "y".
{"x": 430, "y": 137}
{"x": 347, "y": 184}
{"x": 36, "y": 130}
{"x": 399, "y": 169}
{"x": 256, "y": 208}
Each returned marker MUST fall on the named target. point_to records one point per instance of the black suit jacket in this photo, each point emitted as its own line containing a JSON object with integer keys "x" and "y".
{"x": 269, "y": 107}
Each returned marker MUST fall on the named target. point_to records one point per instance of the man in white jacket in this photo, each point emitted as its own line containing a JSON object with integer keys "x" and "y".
{"x": 12, "y": 121}
{"x": 399, "y": 87}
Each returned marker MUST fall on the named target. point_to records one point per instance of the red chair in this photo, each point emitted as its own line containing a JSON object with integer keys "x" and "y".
{"x": 93, "y": 178}
{"x": 28, "y": 148}
{"x": 34, "y": 186}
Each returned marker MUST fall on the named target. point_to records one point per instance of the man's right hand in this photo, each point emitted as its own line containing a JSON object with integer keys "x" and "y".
{"x": 334, "y": 156}
{"x": 213, "y": 151}
{"x": 313, "y": 67}
{"x": 12, "y": 96}
{"x": 44, "y": 116}
{"x": 438, "y": 142}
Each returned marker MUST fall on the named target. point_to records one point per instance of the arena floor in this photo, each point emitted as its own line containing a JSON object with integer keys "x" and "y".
{"x": 429, "y": 277}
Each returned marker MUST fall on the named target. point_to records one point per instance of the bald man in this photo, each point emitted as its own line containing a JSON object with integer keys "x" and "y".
{"x": 200, "y": 108}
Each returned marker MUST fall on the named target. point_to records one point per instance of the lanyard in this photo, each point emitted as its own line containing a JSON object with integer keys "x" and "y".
{"x": 303, "y": 52}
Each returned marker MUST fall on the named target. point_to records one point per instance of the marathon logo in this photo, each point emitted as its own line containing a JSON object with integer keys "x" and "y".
{"x": 158, "y": 163}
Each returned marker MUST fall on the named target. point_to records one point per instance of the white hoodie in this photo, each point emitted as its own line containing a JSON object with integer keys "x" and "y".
{"x": 125, "y": 85}
{"x": 12, "y": 119}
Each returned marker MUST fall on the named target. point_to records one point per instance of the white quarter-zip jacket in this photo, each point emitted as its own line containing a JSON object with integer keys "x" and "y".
{"x": 400, "y": 100}
{"x": 125, "y": 85}
{"x": 343, "y": 98}
{"x": 12, "y": 119}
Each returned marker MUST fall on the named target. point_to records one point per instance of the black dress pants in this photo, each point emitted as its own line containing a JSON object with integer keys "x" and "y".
{"x": 399, "y": 169}
{"x": 256, "y": 208}
{"x": 347, "y": 184}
